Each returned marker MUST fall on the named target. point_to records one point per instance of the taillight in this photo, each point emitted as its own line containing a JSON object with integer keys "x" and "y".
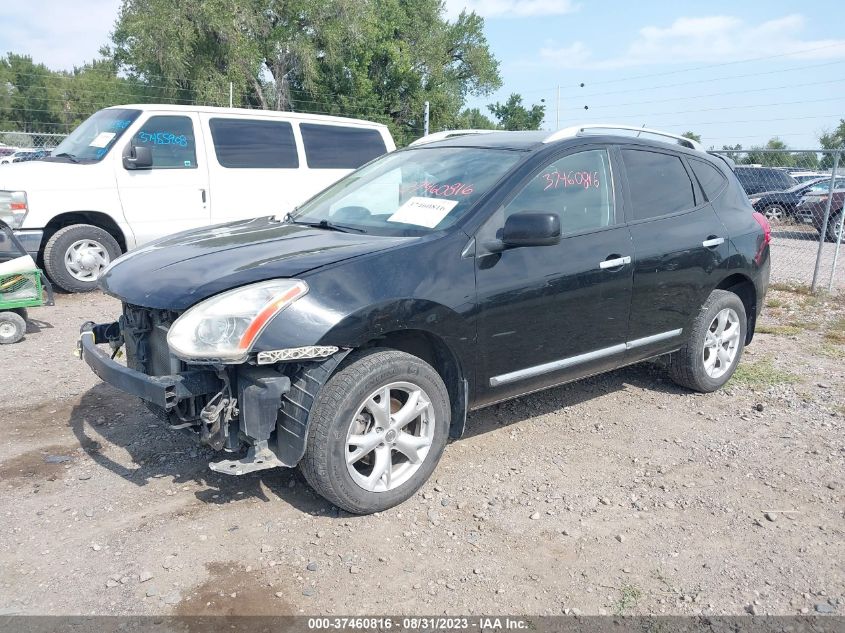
{"x": 764, "y": 224}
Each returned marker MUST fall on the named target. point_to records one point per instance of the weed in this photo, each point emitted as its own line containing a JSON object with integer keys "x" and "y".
{"x": 629, "y": 595}
{"x": 774, "y": 302}
{"x": 763, "y": 373}
{"x": 836, "y": 352}
{"x": 836, "y": 331}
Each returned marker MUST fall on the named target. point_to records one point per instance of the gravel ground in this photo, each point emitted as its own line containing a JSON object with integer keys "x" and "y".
{"x": 617, "y": 494}
{"x": 794, "y": 252}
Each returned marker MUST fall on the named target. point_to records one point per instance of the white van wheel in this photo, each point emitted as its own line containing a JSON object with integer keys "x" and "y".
{"x": 76, "y": 255}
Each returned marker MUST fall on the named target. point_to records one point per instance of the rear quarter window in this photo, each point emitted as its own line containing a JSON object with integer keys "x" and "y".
{"x": 658, "y": 183}
{"x": 711, "y": 179}
{"x": 340, "y": 147}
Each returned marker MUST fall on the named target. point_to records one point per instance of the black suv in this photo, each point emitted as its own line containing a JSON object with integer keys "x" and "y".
{"x": 352, "y": 336}
{"x": 758, "y": 179}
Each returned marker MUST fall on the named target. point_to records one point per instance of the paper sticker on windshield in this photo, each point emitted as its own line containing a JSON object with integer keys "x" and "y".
{"x": 102, "y": 139}
{"x": 426, "y": 212}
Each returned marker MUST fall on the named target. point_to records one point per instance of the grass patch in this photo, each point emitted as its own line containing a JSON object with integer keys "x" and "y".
{"x": 629, "y": 595}
{"x": 774, "y": 302}
{"x": 794, "y": 288}
{"x": 778, "y": 330}
{"x": 763, "y": 373}
{"x": 828, "y": 350}
{"x": 836, "y": 331}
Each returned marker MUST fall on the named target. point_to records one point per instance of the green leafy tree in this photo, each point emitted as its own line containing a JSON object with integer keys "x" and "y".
{"x": 31, "y": 101}
{"x": 692, "y": 136}
{"x": 759, "y": 156}
{"x": 474, "y": 119}
{"x": 512, "y": 115}
{"x": 374, "y": 59}
{"x": 832, "y": 140}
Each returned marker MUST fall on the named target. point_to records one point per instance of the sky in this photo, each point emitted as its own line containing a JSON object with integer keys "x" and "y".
{"x": 733, "y": 72}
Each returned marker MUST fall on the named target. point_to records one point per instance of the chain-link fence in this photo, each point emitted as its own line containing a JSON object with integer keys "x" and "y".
{"x": 18, "y": 147}
{"x": 801, "y": 193}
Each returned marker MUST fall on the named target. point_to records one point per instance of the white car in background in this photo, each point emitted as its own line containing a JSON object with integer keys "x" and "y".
{"x": 130, "y": 174}
{"x": 18, "y": 153}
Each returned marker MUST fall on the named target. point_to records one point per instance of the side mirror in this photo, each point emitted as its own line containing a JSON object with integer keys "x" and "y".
{"x": 135, "y": 157}
{"x": 531, "y": 229}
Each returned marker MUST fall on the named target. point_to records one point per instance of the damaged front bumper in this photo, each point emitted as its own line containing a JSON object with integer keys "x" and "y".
{"x": 236, "y": 406}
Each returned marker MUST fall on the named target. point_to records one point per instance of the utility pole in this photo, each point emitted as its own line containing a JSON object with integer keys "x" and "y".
{"x": 557, "y": 109}
{"x": 425, "y": 120}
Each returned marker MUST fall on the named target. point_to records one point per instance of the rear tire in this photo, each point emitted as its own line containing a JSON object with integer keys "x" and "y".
{"x": 12, "y": 327}
{"x": 710, "y": 356}
{"x": 76, "y": 254}
{"x": 390, "y": 460}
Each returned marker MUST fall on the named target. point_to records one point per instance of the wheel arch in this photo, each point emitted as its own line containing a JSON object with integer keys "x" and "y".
{"x": 435, "y": 351}
{"x": 94, "y": 218}
{"x": 743, "y": 287}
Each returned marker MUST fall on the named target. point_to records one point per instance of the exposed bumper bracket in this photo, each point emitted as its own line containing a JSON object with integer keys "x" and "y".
{"x": 258, "y": 457}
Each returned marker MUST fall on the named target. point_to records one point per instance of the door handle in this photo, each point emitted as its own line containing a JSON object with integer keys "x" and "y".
{"x": 202, "y": 193}
{"x": 710, "y": 242}
{"x": 615, "y": 263}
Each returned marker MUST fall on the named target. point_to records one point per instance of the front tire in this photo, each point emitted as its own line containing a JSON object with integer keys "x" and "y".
{"x": 76, "y": 255}
{"x": 775, "y": 213}
{"x": 12, "y": 327}
{"x": 714, "y": 348}
{"x": 378, "y": 428}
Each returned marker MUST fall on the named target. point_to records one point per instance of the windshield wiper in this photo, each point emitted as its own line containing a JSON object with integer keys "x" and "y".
{"x": 70, "y": 157}
{"x": 329, "y": 226}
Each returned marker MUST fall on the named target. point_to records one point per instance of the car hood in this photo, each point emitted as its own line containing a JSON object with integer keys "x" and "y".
{"x": 177, "y": 271}
{"x": 41, "y": 175}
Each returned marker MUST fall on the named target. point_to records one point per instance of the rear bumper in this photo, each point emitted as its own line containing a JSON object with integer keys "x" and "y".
{"x": 31, "y": 240}
{"x": 164, "y": 391}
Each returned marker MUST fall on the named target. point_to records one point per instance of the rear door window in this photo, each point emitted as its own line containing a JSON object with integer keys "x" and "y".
{"x": 245, "y": 144}
{"x": 658, "y": 183}
{"x": 340, "y": 147}
{"x": 171, "y": 141}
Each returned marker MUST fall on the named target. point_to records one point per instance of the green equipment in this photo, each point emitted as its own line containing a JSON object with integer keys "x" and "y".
{"x": 22, "y": 286}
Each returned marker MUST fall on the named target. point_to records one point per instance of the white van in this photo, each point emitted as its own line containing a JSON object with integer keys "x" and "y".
{"x": 133, "y": 173}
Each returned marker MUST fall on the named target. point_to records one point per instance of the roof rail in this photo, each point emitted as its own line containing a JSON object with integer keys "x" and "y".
{"x": 578, "y": 130}
{"x": 440, "y": 136}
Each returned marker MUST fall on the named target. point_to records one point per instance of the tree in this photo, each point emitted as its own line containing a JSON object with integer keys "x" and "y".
{"x": 30, "y": 100}
{"x": 759, "y": 156}
{"x": 374, "y": 59}
{"x": 512, "y": 115}
{"x": 474, "y": 119}
{"x": 832, "y": 140}
{"x": 734, "y": 152}
{"x": 692, "y": 136}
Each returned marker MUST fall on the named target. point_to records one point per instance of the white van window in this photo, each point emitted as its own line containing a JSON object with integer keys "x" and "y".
{"x": 340, "y": 147}
{"x": 171, "y": 141}
{"x": 244, "y": 143}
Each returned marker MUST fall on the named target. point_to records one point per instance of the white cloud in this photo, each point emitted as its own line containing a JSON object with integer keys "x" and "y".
{"x": 712, "y": 39}
{"x": 58, "y": 34}
{"x": 511, "y": 8}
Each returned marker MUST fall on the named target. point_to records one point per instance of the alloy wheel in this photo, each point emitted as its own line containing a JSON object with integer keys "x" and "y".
{"x": 721, "y": 343}
{"x": 390, "y": 436}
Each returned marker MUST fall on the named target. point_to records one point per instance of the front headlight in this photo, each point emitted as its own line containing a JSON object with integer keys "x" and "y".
{"x": 223, "y": 328}
{"x": 13, "y": 208}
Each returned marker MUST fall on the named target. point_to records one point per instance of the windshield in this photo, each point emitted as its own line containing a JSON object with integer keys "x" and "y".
{"x": 411, "y": 192}
{"x": 95, "y": 136}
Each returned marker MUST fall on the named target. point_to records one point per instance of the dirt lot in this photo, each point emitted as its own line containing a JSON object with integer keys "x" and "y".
{"x": 618, "y": 494}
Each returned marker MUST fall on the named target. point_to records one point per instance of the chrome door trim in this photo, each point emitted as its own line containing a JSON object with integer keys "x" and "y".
{"x": 563, "y": 363}
{"x": 654, "y": 338}
{"x": 716, "y": 241}
{"x": 537, "y": 370}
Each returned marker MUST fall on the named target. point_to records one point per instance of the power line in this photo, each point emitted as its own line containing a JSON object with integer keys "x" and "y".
{"x": 716, "y": 94}
{"x": 719, "y": 65}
